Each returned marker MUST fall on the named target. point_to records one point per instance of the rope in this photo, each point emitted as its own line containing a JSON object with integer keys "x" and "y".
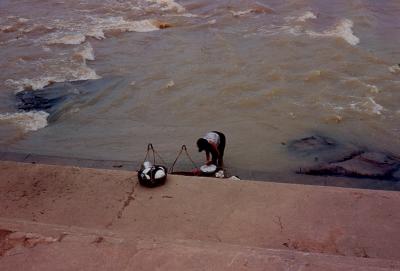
{"x": 188, "y": 155}
{"x": 150, "y": 148}
{"x": 183, "y": 149}
{"x": 176, "y": 159}
{"x": 159, "y": 156}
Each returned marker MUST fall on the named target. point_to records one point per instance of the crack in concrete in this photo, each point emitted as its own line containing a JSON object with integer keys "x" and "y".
{"x": 279, "y": 222}
{"x": 126, "y": 203}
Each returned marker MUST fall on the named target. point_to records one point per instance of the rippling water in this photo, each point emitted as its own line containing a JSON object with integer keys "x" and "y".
{"x": 262, "y": 72}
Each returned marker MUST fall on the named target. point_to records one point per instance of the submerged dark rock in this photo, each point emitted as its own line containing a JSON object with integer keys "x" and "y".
{"x": 43, "y": 99}
{"x": 57, "y": 98}
{"x": 327, "y": 157}
{"x": 312, "y": 144}
{"x": 363, "y": 164}
{"x": 51, "y": 96}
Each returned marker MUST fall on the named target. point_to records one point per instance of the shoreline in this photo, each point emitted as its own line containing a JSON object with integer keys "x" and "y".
{"x": 262, "y": 176}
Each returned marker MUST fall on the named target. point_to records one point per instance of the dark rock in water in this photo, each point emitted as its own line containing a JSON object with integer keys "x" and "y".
{"x": 57, "y": 98}
{"x": 312, "y": 144}
{"x": 49, "y": 97}
{"x": 320, "y": 148}
{"x": 38, "y": 100}
{"x": 375, "y": 165}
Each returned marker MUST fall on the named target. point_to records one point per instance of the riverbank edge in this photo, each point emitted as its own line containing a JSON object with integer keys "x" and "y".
{"x": 263, "y": 176}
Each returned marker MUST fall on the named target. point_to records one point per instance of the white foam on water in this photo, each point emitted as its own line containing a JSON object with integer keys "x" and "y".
{"x": 70, "y": 39}
{"x": 293, "y": 30}
{"x": 357, "y": 82}
{"x": 338, "y": 108}
{"x": 256, "y": 9}
{"x": 22, "y": 25}
{"x": 308, "y": 15}
{"x": 394, "y": 69}
{"x": 23, "y": 20}
{"x": 272, "y": 30}
{"x": 120, "y": 24}
{"x": 14, "y": 24}
{"x": 7, "y": 28}
{"x": 189, "y": 15}
{"x": 82, "y": 73}
{"x": 87, "y": 53}
{"x": 170, "y": 84}
{"x": 65, "y": 74}
{"x": 241, "y": 12}
{"x": 70, "y": 63}
{"x": 96, "y": 33}
{"x": 372, "y": 88}
{"x": 37, "y": 27}
{"x": 36, "y": 83}
{"x": 369, "y": 106}
{"x": 27, "y": 121}
{"x": 375, "y": 107}
{"x": 46, "y": 49}
{"x": 139, "y": 26}
{"x": 169, "y": 5}
{"x": 95, "y": 27}
{"x": 342, "y": 30}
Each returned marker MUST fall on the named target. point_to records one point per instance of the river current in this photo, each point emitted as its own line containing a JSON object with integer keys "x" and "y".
{"x": 262, "y": 72}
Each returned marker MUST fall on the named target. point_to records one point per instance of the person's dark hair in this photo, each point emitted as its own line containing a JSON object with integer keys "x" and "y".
{"x": 202, "y": 144}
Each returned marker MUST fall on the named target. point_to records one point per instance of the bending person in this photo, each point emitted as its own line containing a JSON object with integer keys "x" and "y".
{"x": 213, "y": 143}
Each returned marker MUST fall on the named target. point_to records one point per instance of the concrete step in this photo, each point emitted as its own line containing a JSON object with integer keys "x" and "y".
{"x": 57, "y": 247}
{"x": 108, "y": 219}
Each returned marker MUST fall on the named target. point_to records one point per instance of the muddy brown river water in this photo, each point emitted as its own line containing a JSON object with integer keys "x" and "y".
{"x": 263, "y": 72}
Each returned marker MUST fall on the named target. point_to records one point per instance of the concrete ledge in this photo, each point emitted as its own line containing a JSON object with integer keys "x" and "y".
{"x": 291, "y": 218}
{"x": 59, "y": 248}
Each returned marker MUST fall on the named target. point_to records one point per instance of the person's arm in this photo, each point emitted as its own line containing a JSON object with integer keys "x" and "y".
{"x": 208, "y": 157}
{"x": 213, "y": 150}
{"x": 214, "y": 154}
